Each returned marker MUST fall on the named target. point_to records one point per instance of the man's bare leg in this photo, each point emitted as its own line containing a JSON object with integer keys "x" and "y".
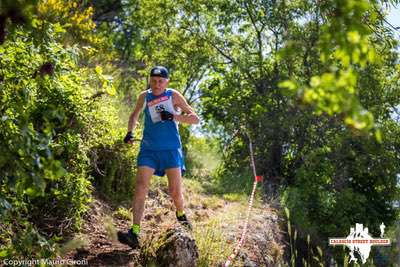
{"x": 175, "y": 187}
{"x": 175, "y": 191}
{"x": 143, "y": 176}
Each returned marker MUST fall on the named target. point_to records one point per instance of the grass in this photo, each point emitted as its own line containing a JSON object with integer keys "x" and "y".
{"x": 123, "y": 213}
{"x": 77, "y": 242}
{"x": 211, "y": 244}
{"x": 159, "y": 182}
{"x": 214, "y": 247}
{"x": 235, "y": 197}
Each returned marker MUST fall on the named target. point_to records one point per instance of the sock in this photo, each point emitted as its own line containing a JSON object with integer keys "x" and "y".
{"x": 135, "y": 228}
{"x": 179, "y": 213}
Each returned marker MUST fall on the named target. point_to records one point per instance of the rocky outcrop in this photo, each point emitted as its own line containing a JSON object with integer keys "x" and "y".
{"x": 176, "y": 248}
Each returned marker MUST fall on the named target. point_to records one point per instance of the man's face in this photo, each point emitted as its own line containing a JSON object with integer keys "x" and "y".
{"x": 158, "y": 83}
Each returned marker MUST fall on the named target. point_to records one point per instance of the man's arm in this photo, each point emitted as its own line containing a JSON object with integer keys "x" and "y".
{"x": 190, "y": 116}
{"x": 134, "y": 117}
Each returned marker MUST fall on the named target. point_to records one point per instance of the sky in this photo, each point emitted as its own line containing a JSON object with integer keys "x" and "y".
{"x": 394, "y": 19}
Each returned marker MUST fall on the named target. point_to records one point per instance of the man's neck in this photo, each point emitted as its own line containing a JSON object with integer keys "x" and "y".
{"x": 158, "y": 92}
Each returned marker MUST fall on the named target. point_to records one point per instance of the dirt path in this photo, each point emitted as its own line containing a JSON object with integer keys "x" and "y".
{"x": 98, "y": 245}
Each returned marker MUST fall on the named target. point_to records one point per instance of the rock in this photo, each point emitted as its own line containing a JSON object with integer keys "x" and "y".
{"x": 247, "y": 262}
{"x": 176, "y": 248}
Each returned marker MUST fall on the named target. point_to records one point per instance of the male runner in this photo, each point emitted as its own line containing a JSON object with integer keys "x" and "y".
{"x": 160, "y": 148}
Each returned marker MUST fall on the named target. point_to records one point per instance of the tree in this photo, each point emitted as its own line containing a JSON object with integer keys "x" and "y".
{"x": 300, "y": 77}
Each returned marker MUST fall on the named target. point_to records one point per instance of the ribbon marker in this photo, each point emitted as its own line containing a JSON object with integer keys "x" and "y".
{"x": 257, "y": 178}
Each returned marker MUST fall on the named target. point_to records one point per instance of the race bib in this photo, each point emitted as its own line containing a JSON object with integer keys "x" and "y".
{"x": 157, "y": 105}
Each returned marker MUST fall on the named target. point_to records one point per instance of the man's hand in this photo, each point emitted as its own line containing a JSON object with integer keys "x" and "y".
{"x": 128, "y": 138}
{"x": 166, "y": 116}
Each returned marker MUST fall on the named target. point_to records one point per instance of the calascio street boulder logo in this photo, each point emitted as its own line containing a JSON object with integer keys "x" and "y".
{"x": 360, "y": 241}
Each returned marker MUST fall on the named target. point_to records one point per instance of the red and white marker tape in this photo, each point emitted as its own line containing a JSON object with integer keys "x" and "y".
{"x": 257, "y": 178}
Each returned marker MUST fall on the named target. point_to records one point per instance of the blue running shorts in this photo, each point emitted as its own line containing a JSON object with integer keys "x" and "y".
{"x": 161, "y": 160}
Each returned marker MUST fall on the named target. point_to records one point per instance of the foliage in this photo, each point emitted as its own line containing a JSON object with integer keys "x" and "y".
{"x": 42, "y": 162}
{"x": 310, "y": 83}
{"x": 69, "y": 17}
{"x": 48, "y": 126}
{"x": 202, "y": 158}
{"x": 213, "y": 245}
{"x": 115, "y": 170}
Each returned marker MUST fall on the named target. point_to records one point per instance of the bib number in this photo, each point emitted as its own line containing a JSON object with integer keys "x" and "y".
{"x": 156, "y": 108}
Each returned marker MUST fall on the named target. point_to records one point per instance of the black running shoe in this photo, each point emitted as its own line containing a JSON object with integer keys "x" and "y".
{"x": 129, "y": 238}
{"x": 184, "y": 221}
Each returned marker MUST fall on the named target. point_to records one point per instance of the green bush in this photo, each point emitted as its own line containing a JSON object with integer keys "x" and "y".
{"x": 115, "y": 170}
{"x": 202, "y": 156}
{"x": 338, "y": 187}
{"x": 48, "y": 126}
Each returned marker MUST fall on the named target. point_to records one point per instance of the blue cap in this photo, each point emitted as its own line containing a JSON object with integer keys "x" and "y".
{"x": 159, "y": 71}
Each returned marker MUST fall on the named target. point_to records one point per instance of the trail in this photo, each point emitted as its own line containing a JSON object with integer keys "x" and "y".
{"x": 263, "y": 247}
